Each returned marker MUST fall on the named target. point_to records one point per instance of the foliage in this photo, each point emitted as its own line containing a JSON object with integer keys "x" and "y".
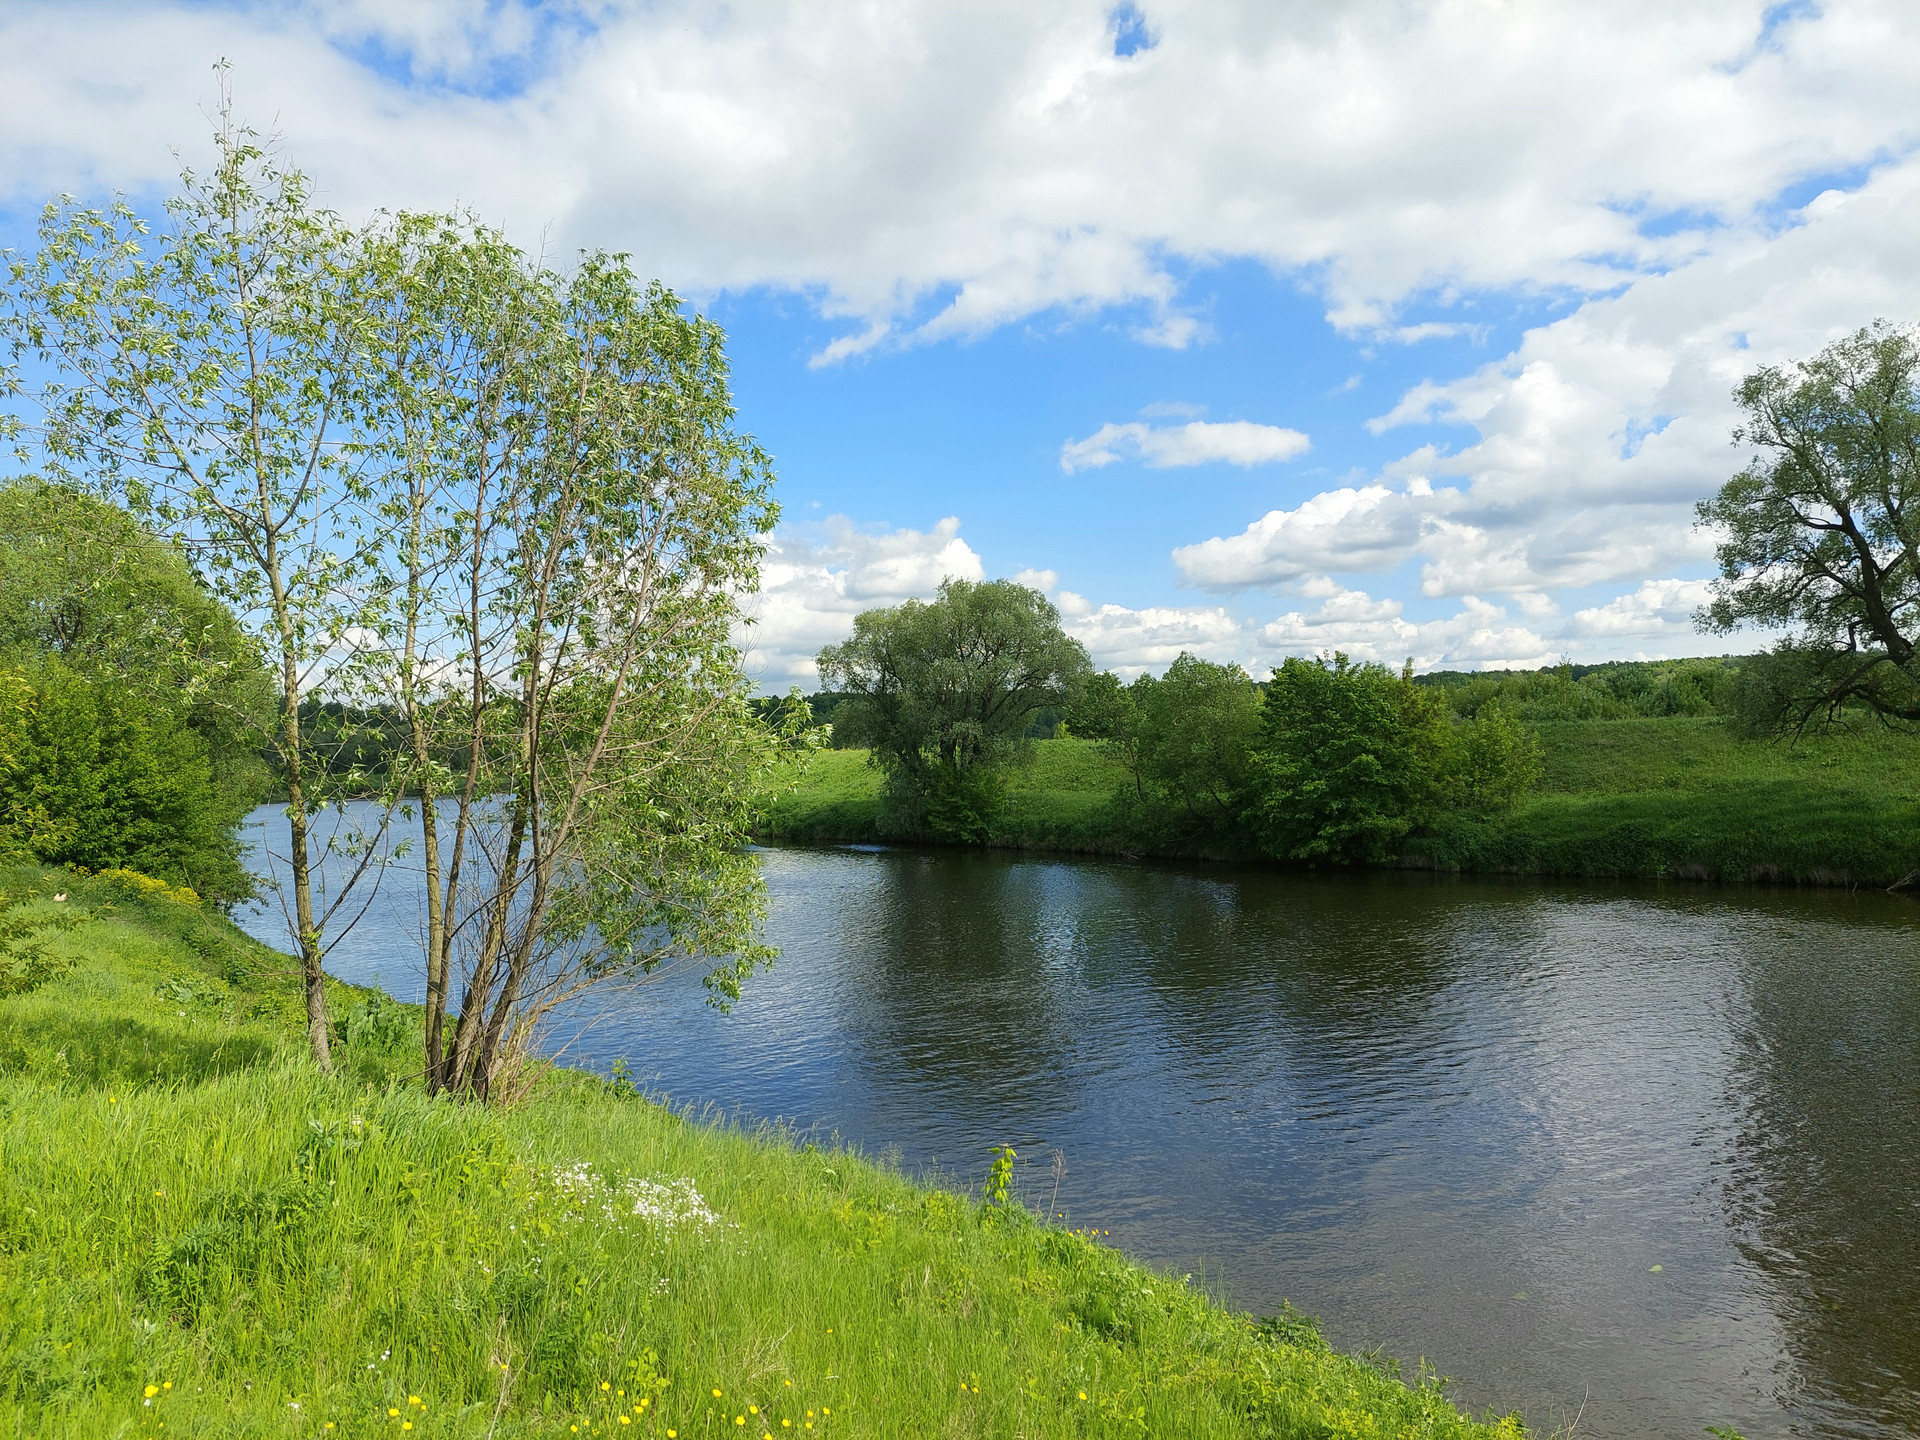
{"x": 1617, "y": 690}
{"x": 1195, "y": 732}
{"x": 1349, "y": 760}
{"x": 570, "y": 517}
{"x": 1820, "y": 532}
{"x": 27, "y": 924}
{"x": 81, "y": 581}
{"x": 215, "y": 1241}
{"x": 943, "y": 693}
{"x": 1490, "y": 761}
{"x": 215, "y": 374}
{"x": 1187, "y": 740}
{"x": 98, "y": 775}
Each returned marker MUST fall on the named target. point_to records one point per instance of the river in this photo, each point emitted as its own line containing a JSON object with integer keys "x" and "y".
{"x": 1644, "y": 1155}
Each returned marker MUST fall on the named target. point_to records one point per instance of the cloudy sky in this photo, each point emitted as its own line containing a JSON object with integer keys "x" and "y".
{"x": 1246, "y": 329}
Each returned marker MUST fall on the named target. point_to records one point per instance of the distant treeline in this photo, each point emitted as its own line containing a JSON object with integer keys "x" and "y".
{"x": 1615, "y": 690}
{"x": 1324, "y": 761}
{"x": 1618, "y": 690}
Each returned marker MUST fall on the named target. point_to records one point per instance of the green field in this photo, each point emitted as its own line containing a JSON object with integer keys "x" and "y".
{"x": 1684, "y": 797}
{"x": 1641, "y": 797}
{"x": 1059, "y": 799}
{"x": 201, "y": 1236}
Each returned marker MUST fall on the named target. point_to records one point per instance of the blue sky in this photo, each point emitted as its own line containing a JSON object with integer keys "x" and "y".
{"x": 1241, "y": 329}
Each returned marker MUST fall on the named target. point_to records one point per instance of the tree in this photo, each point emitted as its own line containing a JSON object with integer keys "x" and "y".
{"x": 942, "y": 692}
{"x": 81, "y": 583}
{"x": 1196, "y": 731}
{"x": 572, "y": 519}
{"x": 215, "y": 375}
{"x": 1349, "y": 760}
{"x": 1820, "y": 531}
{"x": 101, "y": 777}
{"x": 1490, "y": 761}
{"x": 1186, "y": 739}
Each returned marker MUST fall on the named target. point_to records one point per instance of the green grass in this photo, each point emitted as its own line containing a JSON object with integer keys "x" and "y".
{"x": 1058, "y": 799}
{"x": 1685, "y": 797}
{"x": 186, "y": 1207}
{"x": 1643, "y": 797}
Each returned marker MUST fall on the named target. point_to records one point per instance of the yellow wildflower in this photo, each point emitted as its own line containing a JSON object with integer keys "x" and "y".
{"x": 151, "y": 1390}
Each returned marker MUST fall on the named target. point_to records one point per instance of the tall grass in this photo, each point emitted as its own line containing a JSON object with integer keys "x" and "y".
{"x": 199, "y": 1235}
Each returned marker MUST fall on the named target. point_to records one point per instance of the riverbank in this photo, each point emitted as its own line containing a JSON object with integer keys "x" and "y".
{"x": 1637, "y": 798}
{"x": 199, "y": 1234}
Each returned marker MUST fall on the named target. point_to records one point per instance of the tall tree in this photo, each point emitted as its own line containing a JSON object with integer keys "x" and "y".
{"x": 943, "y": 692}
{"x": 215, "y": 375}
{"x": 1820, "y": 532}
{"x": 571, "y": 519}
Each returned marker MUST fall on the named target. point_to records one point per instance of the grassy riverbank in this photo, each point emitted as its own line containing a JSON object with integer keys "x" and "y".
{"x": 1636, "y": 797}
{"x": 201, "y": 1236}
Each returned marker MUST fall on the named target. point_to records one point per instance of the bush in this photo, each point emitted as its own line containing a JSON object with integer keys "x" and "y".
{"x": 1493, "y": 760}
{"x": 1349, "y": 763}
{"x": 96, "y": 777}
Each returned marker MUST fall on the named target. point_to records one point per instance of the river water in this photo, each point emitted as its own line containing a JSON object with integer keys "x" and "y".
{"x": 1648, "y": 1156}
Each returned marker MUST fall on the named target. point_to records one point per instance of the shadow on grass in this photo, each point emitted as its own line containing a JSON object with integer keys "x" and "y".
{"x": 51, "y": 1046}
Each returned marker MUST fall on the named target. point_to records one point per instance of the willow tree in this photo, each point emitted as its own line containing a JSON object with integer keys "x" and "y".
{"x": 1820, "y": 532}
{"x": 214, "y": 375}
{"x": 944, "y": 691}
{"x": 572, "y": 519}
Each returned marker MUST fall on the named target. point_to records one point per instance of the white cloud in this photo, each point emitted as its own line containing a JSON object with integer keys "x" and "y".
{"x": 1131, "y": 641}
{"x": 920, "y": 170}
{"x": 1658, "y": 608}
{"x": 815, "y": 579}
{"x": 1477, "y": 636}
{"x": 927, "y": 170}
{"x": 1344, "y": 530}
{"x": 1199, "y": 442}
{"x": 1593, "y": 440}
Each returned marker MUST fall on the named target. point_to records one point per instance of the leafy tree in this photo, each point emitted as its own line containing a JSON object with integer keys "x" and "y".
{"x": 1105, "y": 709}
{"x": 1490, "y": 761}
{"x": 98, "y": 776}
{"x": 569, "y": 517}
{"x": 1197, "y": 728}
{"x": 1820, "y": 532}
{"x": 1187, "y": 740}
{"x": 1349, "y": 761}
{"x": 216, "y": 375}
{"x": 81, "y": 582}
{"x": 943, "y": 693}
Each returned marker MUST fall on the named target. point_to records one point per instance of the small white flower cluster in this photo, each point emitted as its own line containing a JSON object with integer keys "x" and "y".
{"x": 675, "y": 1205}
{"x": 665, "y": 1207}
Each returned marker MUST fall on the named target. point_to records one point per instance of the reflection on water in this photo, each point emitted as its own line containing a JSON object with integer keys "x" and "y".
{"x": 1645, "y": 1155}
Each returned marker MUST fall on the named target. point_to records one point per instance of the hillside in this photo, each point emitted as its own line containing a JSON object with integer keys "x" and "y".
{"x": 200, "y": 1235}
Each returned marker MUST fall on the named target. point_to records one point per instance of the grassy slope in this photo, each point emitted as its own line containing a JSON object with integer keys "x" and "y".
{"x": 1057, "y": 800}
{"x": 1621, "y": 797}
{"x": 185, "y": 1205}
{"x": 1683, "y": 797}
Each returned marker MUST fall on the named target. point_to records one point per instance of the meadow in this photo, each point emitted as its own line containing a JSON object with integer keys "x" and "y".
{"x": 201, "y": 1235}
{"x": 1679, "y": 796}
